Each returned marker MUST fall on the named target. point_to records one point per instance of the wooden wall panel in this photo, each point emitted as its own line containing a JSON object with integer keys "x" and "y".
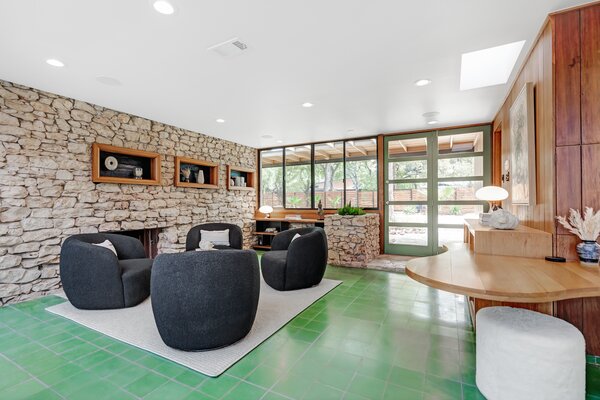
{"x": 591, "y": 323}
{"x": 565, "y": 246}
{"x": 567, "y": 78}
{"x": 590, "y": 174}
{"x": 577, "y": 100}
{"x": 572, "y": 311}
{"x": 590, "y": 74}
{"x": 568, "y": 181}
{"x": 537, "y": 69}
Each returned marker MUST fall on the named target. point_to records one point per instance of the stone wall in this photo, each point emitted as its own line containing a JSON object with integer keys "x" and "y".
{"x": 46, "y": 193}
{"x": 353, "y": 240}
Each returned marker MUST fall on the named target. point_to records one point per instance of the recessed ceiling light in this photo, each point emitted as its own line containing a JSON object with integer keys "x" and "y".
{"x": 267, "y": 136}
{"x": 163, "y": 7}
{"x": 55, "y": 63}
{"x": 489, "y": 67}
{"x": 431, "y": 117}
{"x": 280, "y": 141}
{"x": 107, "y": 80}
{"x": 307, "y": 105}
{"x": 220, "y": 120}
{"x": 423, "y": 82}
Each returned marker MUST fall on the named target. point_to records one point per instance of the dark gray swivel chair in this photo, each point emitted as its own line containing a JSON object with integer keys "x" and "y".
{"x": 205, "y": 299}
{"x": 93, "y": 278}
{"x": 297, "y": 264}
{"x": 235, "y": 236}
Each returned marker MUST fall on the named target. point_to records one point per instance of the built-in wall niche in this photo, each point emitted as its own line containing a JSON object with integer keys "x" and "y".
{"x": 111, "y": 164}
{"x": 196, "y": 173}
{"x": 240, "y": 178}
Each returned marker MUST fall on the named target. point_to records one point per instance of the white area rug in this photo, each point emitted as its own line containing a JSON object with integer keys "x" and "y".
{"x": 136, "y": 326}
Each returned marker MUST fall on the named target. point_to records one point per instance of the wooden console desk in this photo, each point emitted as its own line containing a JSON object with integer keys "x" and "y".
{"x": 496, "y": 267}
{"x": 504, "y": 278}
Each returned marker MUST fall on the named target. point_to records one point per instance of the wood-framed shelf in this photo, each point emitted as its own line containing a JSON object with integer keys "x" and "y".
{"x": 125, "y": 162}
{"x": 210, "y": 170}
{"x": 248, "y": 175}
{"x": 258, "y": 247}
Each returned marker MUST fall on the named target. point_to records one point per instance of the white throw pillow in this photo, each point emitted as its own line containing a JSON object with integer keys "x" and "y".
{"x": 296, "y": 236}
{"x": 218, "y": 238}
{"x": 107, "y": 245}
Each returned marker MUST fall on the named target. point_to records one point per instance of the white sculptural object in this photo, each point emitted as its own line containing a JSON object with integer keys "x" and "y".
{"x": 502, "y": 219}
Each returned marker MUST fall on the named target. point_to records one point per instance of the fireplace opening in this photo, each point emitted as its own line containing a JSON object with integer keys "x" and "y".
{"x": 148, "y": 237}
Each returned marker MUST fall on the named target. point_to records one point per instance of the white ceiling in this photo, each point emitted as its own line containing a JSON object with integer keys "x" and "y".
{"x": 356, "y": 60}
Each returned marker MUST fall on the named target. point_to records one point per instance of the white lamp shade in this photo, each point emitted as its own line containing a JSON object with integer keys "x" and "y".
{"x": 491, "y": 193}
{"x": 265, "y": 209}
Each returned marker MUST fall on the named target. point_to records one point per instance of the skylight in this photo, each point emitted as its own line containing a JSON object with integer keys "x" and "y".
{"x": 489, "y": 67}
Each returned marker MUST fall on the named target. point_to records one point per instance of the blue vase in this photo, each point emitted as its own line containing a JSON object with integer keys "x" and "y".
{"x": 589, "y": 252}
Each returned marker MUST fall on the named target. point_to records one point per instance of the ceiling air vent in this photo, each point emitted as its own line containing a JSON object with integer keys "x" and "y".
{"x": 229, "y": 48}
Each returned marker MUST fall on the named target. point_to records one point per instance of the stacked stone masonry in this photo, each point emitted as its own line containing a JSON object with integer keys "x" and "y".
{"x": 353, "y": 241}
{"x": 46, "y": 192}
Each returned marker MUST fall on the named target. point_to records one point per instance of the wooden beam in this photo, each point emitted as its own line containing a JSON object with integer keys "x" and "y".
{"x": 361, "y": 151}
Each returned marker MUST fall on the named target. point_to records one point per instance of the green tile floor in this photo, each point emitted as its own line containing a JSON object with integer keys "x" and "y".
{"x": 378, "y": 335}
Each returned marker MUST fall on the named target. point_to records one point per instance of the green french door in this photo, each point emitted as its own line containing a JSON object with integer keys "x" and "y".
{"x": 430, "y": 183}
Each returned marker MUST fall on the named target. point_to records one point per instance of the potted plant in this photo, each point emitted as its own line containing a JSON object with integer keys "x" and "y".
{"x": 587, "y": 228}
{"x": 349, "y": 210}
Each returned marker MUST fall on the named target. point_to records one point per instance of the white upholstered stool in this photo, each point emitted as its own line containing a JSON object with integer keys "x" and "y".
{"x": 526, "y": 355}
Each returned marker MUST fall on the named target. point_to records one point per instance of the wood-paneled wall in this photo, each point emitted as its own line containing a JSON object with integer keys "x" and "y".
{"x": 577, "y": 105}
{"x": 565, "y": 69}
{"x": 537, "y": 69}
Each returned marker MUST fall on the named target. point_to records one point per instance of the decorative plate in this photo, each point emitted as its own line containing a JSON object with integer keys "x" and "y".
{"x": 111, "y": 163}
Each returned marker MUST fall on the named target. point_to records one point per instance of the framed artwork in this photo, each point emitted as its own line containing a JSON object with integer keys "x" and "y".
{"x": 522, "y": 148}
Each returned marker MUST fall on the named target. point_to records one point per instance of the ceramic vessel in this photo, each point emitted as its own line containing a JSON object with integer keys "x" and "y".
{"x": 589, "y": 252}
{"x": 200, "y": 176}
{"x": 502, "y": 219}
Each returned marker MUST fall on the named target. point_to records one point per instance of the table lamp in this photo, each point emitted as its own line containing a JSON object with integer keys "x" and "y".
{"x": 267, "y": 210}
{"x": 490, "y": 194}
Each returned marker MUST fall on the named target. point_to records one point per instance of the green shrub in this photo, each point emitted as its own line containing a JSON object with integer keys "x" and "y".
{"x": 349, "y": 210}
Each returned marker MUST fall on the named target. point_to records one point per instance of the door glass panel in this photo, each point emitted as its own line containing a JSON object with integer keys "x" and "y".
{"x": 459, "y": 190}
{"x": 407, "y": 147}
{"x": 450, "y": 235}
{"x": 416, "y": 169}
{"x": 460, "y": 143}
{"x": 408, "y": 213}
{"x": 458, "y": 167}
{"x": 405, "y": 235}
{"x": 455, "y": 214}
{"x": 329, "y": 174}
{"x": 297, "y": 177}
{"x": 408, "y": 191}
{"x": 271, "y": 178}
